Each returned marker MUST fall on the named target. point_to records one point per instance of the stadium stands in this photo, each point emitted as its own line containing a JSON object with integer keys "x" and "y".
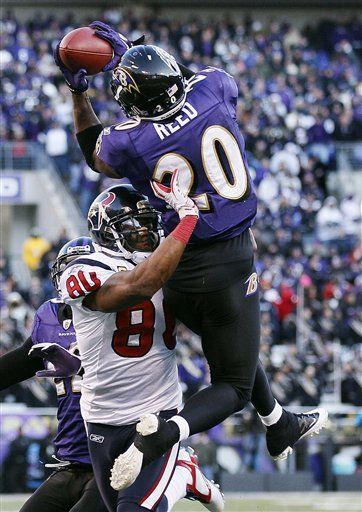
{"x": 299, "y": 96}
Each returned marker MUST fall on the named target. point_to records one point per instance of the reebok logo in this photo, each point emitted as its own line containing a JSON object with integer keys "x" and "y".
{"x": 96, "y": 438}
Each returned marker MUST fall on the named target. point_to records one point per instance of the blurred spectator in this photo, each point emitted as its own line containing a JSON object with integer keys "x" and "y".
{"x": 351, "y": 211}
{"x": 309, "y": 392}
{"x": 56, "y": 146}
{"x": 75, "y": 165}
{"x": 33, "y": 249}
{"x": 15, "y": 464}
{"x": 352, "y": 385}
{"x": 89, "y": 188}
{"x": 330, "y": 221}
{"x": 18, "y": 312}
{"x": 281, "y": 387}
{"x": 319, "y": 138}
{"x": 4, "y": 264}
{"x": 62, "y": 239}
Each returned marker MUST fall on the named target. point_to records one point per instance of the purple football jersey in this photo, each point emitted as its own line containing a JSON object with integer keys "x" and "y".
{"x": 71, "y": 439}
{"x": 204, "y": 142}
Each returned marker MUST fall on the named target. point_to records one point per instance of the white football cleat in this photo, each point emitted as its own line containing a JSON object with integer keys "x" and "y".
{"x": 126, "y": 468}
{"x": 128, "y": 465}
{"x": 201, "y": 489}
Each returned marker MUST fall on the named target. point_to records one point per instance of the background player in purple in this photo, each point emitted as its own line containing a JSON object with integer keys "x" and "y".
{"x": 187, "y": 121}
{"x": 72, "y": 487}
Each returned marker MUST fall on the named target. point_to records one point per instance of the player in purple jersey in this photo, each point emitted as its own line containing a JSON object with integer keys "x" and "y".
{"x": 71, "y": 487}
{"x": 186, "y": 121}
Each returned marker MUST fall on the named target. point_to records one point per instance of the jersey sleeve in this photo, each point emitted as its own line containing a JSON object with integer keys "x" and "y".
{"x": 82, "y": 279}
{"x": 111, "y": 148}
{"x": 224, "y": 85}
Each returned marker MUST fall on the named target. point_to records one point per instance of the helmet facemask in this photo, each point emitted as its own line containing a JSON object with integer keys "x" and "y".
{"x": 63, "y": 259}
{"x": 135, "y": 232}
{"x": 132, "y": 234}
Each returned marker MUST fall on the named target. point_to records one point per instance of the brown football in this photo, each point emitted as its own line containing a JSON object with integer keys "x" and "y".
{"x": 81, "y": 48}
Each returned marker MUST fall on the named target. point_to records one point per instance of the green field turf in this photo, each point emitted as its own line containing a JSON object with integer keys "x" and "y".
{"x": 268, "y": 502}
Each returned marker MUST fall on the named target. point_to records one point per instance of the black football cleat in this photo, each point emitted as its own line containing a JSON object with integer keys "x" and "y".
{"x": 291, "y": 428}
{"x": 155, "y": 436}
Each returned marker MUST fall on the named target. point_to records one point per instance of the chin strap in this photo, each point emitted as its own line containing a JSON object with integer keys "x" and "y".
{"x": 136, "y": 257}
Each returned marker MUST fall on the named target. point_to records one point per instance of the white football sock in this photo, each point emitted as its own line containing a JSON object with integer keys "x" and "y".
{"x": 176, "y": 489}
{"x": 274, "y": 416}
{"x": 182, "y": 425}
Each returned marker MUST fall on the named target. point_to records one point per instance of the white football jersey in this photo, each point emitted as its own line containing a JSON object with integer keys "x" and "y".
{"x": 128, "y": 357}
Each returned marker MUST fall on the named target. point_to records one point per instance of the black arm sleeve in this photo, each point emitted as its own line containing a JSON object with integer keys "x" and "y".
{"x": 187, "y": 73}
{"x": 87, "y": 140}
{"x": 16, "y": 366}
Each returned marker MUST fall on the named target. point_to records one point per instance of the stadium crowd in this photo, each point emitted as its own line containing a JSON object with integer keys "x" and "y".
{"x": 295, "y": 85}
{"x": 298, "y": 94}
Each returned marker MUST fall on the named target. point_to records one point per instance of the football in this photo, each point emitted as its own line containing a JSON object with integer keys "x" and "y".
{"x": 82, "y": 48}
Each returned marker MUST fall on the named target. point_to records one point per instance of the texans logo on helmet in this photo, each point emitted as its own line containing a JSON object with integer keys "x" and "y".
{"x": 95, "y": 214}
{"x": 111, "y": 196}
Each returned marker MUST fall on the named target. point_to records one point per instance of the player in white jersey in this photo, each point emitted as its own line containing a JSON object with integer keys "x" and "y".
{"x": 126, "y": 340}
{"x": 117, "y": 347}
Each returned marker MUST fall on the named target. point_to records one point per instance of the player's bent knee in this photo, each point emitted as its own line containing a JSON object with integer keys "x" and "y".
{"x": 244, "y": 394}
{"x": 242, "y": 390}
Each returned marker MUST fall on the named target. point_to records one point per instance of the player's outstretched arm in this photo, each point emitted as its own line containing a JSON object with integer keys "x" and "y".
{"x": 86, "y": 123}
{"x": 125, "y": 289}
{"x": 87, "y": 129}
{"x": 128, "y": 288}
{"x": 16, "y": 365}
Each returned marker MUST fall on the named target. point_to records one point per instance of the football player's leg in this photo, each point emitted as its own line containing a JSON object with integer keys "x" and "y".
{"x": 105, "y": 443}
{"x": 50, "y": 496}
{"x": 155, "y": 491}
{"x": 230, "y": 328}
{"x": 262, "y": 397}
{"x": 90, "y": 497}
{"x": 229, "y": 321}
{"x": 284, "y": 429}
{"x": 147, "y": 492}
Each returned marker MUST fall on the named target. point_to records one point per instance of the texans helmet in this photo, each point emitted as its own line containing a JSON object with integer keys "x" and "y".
{"x": 122, "y": 221}
{"x": 71, "y": 250}
{"x": 148, "y": 83}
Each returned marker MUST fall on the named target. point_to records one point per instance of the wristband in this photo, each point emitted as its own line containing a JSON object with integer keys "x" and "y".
{"x": 184, "y": 230}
